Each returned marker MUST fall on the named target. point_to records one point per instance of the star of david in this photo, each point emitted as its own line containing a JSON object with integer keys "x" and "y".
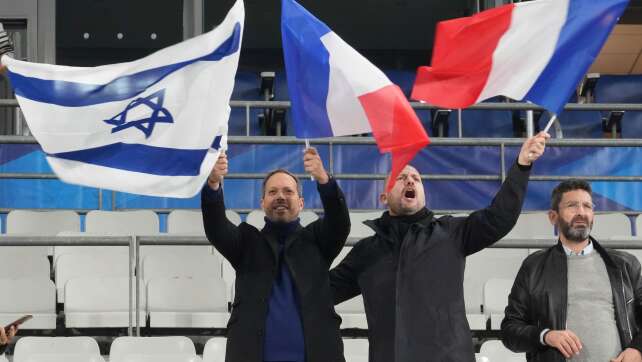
{"x": 159, "y": 114}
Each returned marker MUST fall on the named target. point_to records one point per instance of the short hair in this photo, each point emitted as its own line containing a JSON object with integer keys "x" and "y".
{"x": 566, "y": 186}
{"x": 299, "y": 188}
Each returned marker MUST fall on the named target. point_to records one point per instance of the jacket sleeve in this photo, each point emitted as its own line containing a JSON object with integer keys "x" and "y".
{"x": 331, "y": 231}
{"x": 520, "y": 334}
{"x": 3, "y": 348}
{"x": 484, "y": 227}
{"x": 224, "y": 235}
{"x": 636, "y": 279}
{"x": 344, "y": 277}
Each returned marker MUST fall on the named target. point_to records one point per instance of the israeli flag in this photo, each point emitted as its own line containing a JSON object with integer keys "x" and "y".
{"x": 154, "y": 126}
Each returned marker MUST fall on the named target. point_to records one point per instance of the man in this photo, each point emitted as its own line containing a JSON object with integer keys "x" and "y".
{"x": 575, "y": 300}
{"x": 6, "y": 337}
{"x": 411, "y": 271}
{"x": 283, "y": 309}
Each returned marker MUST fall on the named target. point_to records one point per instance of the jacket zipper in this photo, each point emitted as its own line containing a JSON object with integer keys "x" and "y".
{"x": 626, "y": 312}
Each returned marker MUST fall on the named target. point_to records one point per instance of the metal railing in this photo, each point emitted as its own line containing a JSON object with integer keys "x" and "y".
{"x": 134, "y": 243}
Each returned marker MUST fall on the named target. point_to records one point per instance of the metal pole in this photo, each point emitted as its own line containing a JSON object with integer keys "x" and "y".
{"x": 460, "y": 132}
{"x": 502, "y": 161}
{"x": 247, "y": 119}
{"x": 132, "y": 243}
{"x": 530, "y": 129}
{"x": 137, "y": 257}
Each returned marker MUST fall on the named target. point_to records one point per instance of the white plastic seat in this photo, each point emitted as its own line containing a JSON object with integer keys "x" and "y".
{"x": 495, "y": 351}
{"x": 39, "y": 223}
{"x": 476, "y": 321}
{"x": 608, "y": 225}
{"x": 358, "y": 230}
{"x": 138, "y": 222}
{"x": 139, "y": 349}
{"x": 36, "y": 296}
{"x": 256, "y": 218}
{"x": 71, "y": 266}
{"x": 87, "y": 249}
{"x": 229, "y": 276}
{"x": 95, "y": 302}
{"x": 355, "y": 349}
{"x": 23, "y": 265}
{"x": 189, "y": 222}
{"x": 3, "y": 358}
{"x": 496, "y": 293}
{"x": 342, "y": 254}
{"x": 165, "y": 265}
{"x": 50, "y": 349}
{"x": 187, "y": 303}
{"x": 214, "y": 350}
{"x": 352, "y": 313}
{"x": 532, "y": 225}
{"x": 486, "y": 264}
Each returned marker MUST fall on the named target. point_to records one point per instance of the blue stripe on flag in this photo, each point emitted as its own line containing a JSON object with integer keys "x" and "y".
{"x": 588, "y": 24}
{"x": 72, "y": 94}
{"x": 159, "y": 161}
{"x": 308, "y": 70}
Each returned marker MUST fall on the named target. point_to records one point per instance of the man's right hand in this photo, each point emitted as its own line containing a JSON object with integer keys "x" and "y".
{"x": 218, "y": 172}
{"x": 6, "y": 336}
{"x": 565, "y": 341}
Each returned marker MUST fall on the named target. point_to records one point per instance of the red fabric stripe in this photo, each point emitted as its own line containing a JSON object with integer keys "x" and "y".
{"x": 395, "y": 126}
{"x": 462, "y": 58}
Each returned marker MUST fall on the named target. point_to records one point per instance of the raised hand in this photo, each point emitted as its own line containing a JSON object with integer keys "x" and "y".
{"x": 218, "y": 172}
{"x": 533, "y": 148}
{"x": 314, "y": 165}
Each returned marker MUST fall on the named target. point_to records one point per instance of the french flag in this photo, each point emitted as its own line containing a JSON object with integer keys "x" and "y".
{"x": 536, "y": 51}
{"x": 335, "y": 91}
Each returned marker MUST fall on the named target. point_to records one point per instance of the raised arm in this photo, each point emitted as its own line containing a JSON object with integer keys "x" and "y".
{"x": 220, "y": 231}
{"x": 484, "y": 227}
{"x": 332, "y": 230}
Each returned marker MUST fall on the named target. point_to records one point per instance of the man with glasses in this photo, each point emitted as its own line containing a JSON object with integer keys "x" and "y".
{"x": 575, "y": 300}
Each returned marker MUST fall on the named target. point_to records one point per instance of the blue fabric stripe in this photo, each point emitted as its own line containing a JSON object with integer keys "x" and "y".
{"x": 588, "y": 24}
{"x": 159, "y": 161}
{"x": 307, "y": 63}
{"x": 72, "y": 94}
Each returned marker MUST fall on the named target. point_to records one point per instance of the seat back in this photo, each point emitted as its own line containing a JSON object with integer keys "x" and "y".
{"x": 214, "y": 350}
{"x": 165, "y": 265}
{"x": 189, "y": 222}
{"x": 496, "y": 291}
{"x": 358, "y": 230}
{"x": 52, "y": 349}
{"x": 355, "y": 349}
{"x": 139, "y": 222}
{"x": 609, "y": 225}
{"x": 495, "y": 351}
{"x": 199, "y": 294}
{"x": 126, "y": 349}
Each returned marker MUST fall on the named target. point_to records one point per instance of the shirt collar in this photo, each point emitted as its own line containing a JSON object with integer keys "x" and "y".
{"x": 588, "y": 249}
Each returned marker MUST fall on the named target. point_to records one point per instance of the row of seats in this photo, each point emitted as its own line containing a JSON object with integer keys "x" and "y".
{"x": 189, "y": 222}
{"x": 140, "y": 349}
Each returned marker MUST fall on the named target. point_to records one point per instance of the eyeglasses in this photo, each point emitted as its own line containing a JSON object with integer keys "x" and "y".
{"x": 575, "y": 205}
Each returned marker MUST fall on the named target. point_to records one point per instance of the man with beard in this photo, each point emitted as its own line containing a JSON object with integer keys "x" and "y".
{"x": 411, "y": 272}
{"x": 282, "y": 308}
{"x": 575, "y": 300}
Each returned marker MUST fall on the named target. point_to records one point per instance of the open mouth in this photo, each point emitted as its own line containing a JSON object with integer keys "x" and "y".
{"x": 409, "y": 194}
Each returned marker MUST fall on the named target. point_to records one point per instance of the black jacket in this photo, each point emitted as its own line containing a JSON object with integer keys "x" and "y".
{"x": 538, "y": 300}
{"x": 414, "y": 297}
{"x": 309, "y": 252}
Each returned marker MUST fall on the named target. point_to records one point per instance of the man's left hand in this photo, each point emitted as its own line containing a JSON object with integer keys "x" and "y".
{"x": 314, "y": 166}
{"x": 628, "y": 355}
{"x": 533, "y": 148}
{"x": 6, "y": 336}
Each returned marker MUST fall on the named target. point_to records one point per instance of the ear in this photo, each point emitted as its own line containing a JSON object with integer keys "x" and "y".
{"x": 552, "y": 217}
{"x": 301, "y": 202}
{"x": 383, "y": 198}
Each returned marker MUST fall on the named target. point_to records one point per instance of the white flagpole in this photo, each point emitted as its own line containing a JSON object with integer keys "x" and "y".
{"x": 550, "y": 123}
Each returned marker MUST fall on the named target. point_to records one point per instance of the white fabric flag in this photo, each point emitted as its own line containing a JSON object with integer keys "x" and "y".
{"x": 154, "y": 126}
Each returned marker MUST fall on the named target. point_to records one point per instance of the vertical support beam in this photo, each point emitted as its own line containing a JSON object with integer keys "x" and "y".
{"x": 137, "y": 257}
{"x": 132, "y": 248}
{"x": 460, "y": 130}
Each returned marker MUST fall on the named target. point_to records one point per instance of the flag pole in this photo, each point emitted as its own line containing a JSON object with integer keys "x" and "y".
{"x": 550, "y": 122}
{"x": 307, "y": 145}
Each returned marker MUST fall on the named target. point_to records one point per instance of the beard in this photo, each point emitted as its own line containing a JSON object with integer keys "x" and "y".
{"x": 577, "y": 234}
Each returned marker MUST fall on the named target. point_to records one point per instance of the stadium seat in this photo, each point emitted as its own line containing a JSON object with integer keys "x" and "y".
{"x": 476, "y": 321}
{"x": 355, "y": 349}
{"x": 35, "y": 296}
{"x": 167, "y": 265}
{"x": 479, "y": 358}
{"x": 149, "y": 349}
{"x": 580, "y": 124}
{"x": 40, "y": 223}
{"x": 496, "y": 293}
{"x": 486, "y": 264}
{"x": 532, "y": 225}
{"x": 71, "y": 266}
{"x": 187, "y": 302}
{"x": 622, "y": 89}
{"x": 188, "y": 222}
{"x": 3, "y": 358}
{"x": 87, "y": 249}
{"x": 139, "y": 222}
{"x": 358, "y": 230}
{"x": 53, "y": 349}
{"x": 609, "y": 225}
{"x": 495, "y": 351}
{"x": 23, "y": 265}
{"x": 256, "y": 218}
{"x": 342, "y": 254}
{"x": 96, "y": 302}
{"x": 353, "y": 314}
{"x": 214, "y": 350}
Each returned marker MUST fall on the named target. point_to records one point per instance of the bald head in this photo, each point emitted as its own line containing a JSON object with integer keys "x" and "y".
{"x": 407, "y": 194}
